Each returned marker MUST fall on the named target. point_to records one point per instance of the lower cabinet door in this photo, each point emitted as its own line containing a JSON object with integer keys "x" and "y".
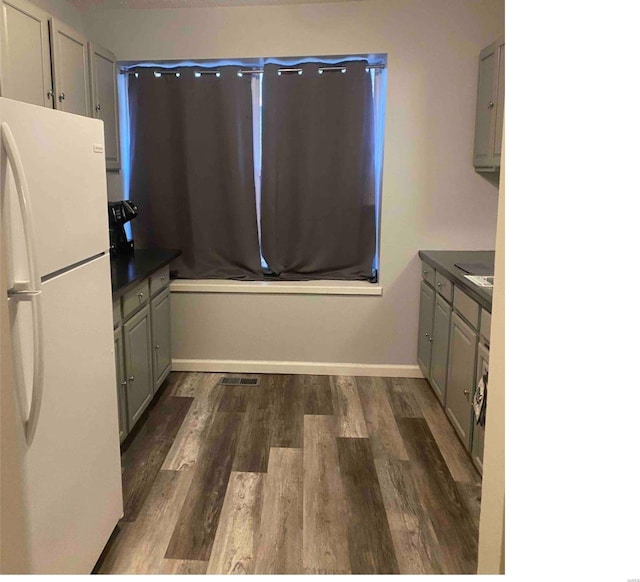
{"x": 121, "y": 380}
{"x": 477, "y": 448}
{"x": 137, "y": 355}
{"x": 440, "y": 348}
{"x": 161, "y": 332}
{"x": 461, "y": 378}
{"x": 425, "y": 327}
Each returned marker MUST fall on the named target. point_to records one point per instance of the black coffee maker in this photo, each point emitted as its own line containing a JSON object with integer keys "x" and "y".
{"x": 119, "y": 214}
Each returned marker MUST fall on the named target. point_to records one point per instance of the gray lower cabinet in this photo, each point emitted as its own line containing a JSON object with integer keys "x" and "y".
{"x": 161, "y": 332}
{"x": 477, "y": 447}
{"x": 138, "y": 363}
{"x": 453, "y": 352}
{"x": 142, "y": 340}
{"x": 425, "y": 327}
{"x": 440, "y": 347}
{"x": 461, "y": 377}
{"x": 122, "y": 383}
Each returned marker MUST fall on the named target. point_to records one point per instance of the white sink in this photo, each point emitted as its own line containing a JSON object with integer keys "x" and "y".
{"x": 481, "y": 280}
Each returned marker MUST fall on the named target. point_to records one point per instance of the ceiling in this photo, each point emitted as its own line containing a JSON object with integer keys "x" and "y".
{"x": 83, "y": 5}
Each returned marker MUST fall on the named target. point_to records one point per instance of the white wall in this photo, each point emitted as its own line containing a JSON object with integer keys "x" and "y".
{"x": 432, "y": 198}
{"x": 62, "y": 10}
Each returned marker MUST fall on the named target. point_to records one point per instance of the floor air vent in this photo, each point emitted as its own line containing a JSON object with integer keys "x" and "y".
{"x": 234, "y": 381}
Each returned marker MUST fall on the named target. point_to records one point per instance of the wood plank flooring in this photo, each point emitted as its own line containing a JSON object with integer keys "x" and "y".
{"x": 300, "y": 474}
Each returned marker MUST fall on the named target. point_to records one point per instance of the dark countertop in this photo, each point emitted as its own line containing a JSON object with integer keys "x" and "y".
{"x": 444, "y": 262}
{"x": 126, "y": 270}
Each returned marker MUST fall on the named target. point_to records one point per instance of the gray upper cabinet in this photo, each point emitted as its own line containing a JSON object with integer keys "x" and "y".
{"x": 161, "y": 333}
{"x": 70, "y": 54}
{"x": 104, "y": 100}
{"x": 138, "y": 363}
{"x": 440, "y": 348}
{"x": 489, "y": 108}
{"x": 45, "y": 62}
{"x": 121, "y": 383}
{"x": 25, "y": 62}
{"x": 461, "y": 377}
{"x": 425, "y": 327}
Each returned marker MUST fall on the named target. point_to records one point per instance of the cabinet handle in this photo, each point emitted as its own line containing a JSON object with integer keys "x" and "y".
{"x": 162, "y": 278}
{"x": 438, "y": 284}
{"x": 141, "y": 295}
{"x": 123, "y": 383}
{"x": 98, "y": 107}
{"x": 131, "y": 378}
{"x": 426, "y": 335}
{"x": 491, "y": 105}
{"x": 431, "y": 339}
{"x": 61, "y": 97}
{"x": 49, "y": 94}
{"x": 157, "y": 347}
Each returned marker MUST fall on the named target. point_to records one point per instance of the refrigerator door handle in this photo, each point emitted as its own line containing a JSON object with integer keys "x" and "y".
{"x": 22, "y": 295}
{"x": 13, "y": 156}
{"x": 27, "y": 290}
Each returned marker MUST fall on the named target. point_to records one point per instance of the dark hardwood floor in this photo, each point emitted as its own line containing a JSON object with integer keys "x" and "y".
{"x": 300, "y": 474}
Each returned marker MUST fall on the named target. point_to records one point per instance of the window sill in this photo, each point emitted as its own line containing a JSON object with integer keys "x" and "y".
{"x": 276, "y": 287}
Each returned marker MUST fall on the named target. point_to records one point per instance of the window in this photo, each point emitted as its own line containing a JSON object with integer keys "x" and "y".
{"x": 268, "y": 170}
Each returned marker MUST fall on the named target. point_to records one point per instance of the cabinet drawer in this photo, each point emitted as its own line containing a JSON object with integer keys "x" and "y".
{"x": 485, "y": 324}
{"x": 466, "y": 306}
{"x": 135, "y": 298}
{"x": 158, "y": 280}
{"x": 444, "y": 287}
{"x": 117, "y": 313}
{"x": 428, "y": 274}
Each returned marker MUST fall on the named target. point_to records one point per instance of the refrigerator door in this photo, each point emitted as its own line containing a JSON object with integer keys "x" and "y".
{"x": 71, "y": 471}
{"x": 63, "y": 159}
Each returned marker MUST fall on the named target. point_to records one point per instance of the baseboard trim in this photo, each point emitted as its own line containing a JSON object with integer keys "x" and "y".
{"x": 277, "y": 367}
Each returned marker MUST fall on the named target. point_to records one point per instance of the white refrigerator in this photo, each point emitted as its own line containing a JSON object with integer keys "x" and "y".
{"x": 60, "y": 475}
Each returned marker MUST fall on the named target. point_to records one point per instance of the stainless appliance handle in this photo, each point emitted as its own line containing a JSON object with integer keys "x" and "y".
{"x": 28, "y": 290}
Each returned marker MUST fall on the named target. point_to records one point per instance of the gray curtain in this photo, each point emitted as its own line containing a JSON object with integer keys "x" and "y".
{"x": 192, "y": 170}
{"x": 318, "y": 193}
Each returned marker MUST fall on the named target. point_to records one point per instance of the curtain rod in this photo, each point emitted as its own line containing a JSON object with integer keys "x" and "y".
{"x": 200, "y": 72}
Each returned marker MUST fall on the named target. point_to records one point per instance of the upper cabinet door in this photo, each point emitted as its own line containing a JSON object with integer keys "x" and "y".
{"x": 71, "y": 65}
{"x": 489, "y": 108}
{"x": 497, "y": 134}
{"x": 25, "y": 73}
{"x": 104, "y": 100}
{"x": 484, "y": 131}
